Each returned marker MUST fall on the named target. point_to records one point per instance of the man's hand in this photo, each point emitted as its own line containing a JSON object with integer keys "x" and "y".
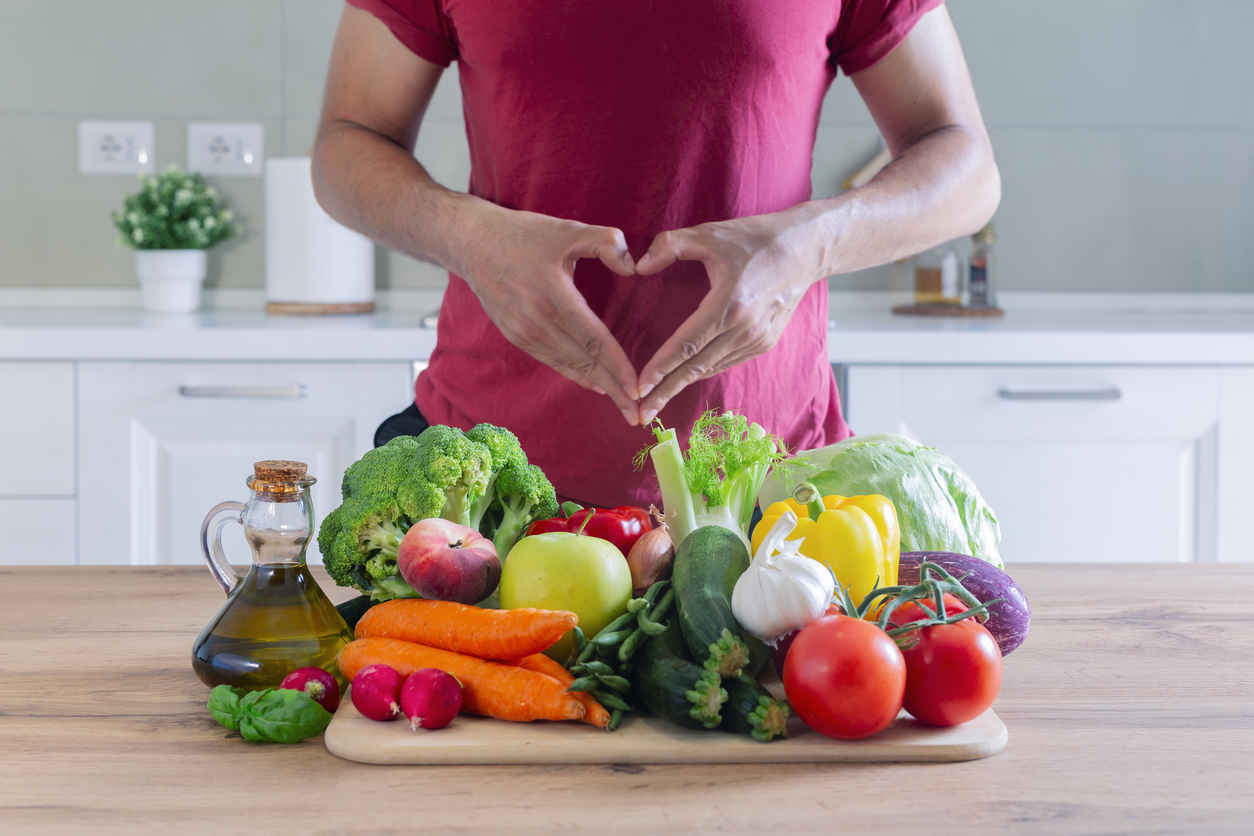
{"x": 522, "y": 268}
{"x": 758, "y": 274}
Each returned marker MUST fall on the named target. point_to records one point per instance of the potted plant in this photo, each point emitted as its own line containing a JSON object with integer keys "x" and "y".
{"x": 170, "y": 222}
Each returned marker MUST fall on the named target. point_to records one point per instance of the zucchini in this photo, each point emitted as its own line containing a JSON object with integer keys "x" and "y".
{"x": 668, "y": 683}
{"x": 353, "y": 609}
{"x": 750, "y": 709}
{"x": 707, "y": 565}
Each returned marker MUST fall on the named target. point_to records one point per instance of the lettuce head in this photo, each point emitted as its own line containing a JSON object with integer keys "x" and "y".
{"x": 938, "y": 506}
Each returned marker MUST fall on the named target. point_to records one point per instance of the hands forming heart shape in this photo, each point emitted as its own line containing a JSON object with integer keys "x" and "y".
{"x": 758, "y": 269}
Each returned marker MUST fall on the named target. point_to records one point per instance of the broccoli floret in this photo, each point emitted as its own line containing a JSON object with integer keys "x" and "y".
{"x": 506, "y": 452}
{"x": 458, "y": 467}
{"x": 524, "y": 494}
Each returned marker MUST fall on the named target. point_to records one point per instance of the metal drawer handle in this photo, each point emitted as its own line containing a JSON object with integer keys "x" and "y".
{"x": 286, "y": 392}
{"x": 1109, "y": 394}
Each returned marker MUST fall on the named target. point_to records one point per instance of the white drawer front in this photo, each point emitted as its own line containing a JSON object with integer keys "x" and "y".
{"x": 1073, "y": 472}
{"x": 36, "y": 532}
{"x": 36, "y": 429}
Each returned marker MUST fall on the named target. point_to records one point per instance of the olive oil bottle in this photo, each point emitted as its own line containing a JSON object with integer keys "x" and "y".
{"x": 276, "y": 618}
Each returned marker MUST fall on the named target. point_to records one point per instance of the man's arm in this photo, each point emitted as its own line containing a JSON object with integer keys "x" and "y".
{"x": 519, "y": 264}
{"x": 942, "y": 184}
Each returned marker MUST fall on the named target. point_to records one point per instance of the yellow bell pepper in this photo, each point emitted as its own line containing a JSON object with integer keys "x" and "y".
{"x": 856, "y": 536}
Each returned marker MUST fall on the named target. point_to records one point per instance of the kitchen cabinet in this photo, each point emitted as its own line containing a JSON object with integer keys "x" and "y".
{"x": 1080, "y": 463}
{"x": 162, "y": 443}
{"x": 37, "y": 490}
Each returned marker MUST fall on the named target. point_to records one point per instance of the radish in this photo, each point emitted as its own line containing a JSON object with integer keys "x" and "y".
{"x": 430, "y": 698}
{"x": 317, "y": 683}
{"x": 376, "y": 692}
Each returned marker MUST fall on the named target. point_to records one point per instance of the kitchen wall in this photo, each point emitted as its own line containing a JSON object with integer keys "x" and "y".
{"x": 1124, "y": 130}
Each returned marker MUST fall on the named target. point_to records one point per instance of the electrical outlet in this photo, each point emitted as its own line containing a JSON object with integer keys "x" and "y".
{"x": 115, "y": 148}
{"x": 231, "y": 149}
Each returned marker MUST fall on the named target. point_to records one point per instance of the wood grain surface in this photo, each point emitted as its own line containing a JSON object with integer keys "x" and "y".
{"x": 1130, "y": 709}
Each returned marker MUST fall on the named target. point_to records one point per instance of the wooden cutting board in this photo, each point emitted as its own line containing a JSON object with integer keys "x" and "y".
{"x": 645, "y": 739}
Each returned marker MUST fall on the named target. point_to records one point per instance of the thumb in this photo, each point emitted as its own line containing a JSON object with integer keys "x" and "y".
{"x": 606, "y": 244}
{"x": 667, "y": 248}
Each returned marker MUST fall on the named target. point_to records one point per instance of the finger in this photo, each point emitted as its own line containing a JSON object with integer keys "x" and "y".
{"x": 569, "y": 358}
{"x": 606, "y": 244}
{"x": 667, "y": 248}
{"x": 719, "y": 355}
{"x": 598, "y": 355}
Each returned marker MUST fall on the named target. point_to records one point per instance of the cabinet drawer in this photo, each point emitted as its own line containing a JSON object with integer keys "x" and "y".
{"x": 36, "y": 429}
{"x": 1079, "y": 464}
{"x": 37, "y": 532}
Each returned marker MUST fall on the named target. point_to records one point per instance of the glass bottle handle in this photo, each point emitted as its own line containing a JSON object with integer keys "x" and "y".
{"x": 219, "y": 566}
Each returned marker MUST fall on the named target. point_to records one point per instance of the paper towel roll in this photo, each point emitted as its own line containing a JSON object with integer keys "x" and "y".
{"x": 313, "y": 263}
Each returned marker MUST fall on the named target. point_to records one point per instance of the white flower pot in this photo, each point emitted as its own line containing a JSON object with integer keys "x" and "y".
{"x": 170, "y": 280}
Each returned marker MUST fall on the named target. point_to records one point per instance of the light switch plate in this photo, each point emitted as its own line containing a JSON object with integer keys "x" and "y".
{"x": 235, "y": 149}
{"x": 115, "y": 148}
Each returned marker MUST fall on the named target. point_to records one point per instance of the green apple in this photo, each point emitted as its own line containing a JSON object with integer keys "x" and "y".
{"x": 562, "y": 571}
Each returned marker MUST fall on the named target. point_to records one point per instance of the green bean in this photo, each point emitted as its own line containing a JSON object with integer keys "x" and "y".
{"x": 663, "y": 606}
{"x": 649, "y": 627}
{"x": 587, "y": 653}
{"x": 616, "y": 682}
{"x": 585, "y": 683}
{"x": 616, "y": 717}
{"x": 580, "y": 641}
{"x": 599, "y": 667}
{"x": 637, "y": 604}
{"x": 629, "y": 647}
{"x": 617, "y": 624}
{"x": 655, "y": 591}
{"x": 610, "y": 700}
{"x": 605, "y": 639}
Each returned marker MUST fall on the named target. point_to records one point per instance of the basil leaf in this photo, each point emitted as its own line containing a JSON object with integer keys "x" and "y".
{"x": 249, "y": 731}
{"x": 224, "y": 705}
{"x": 284, "y": 716}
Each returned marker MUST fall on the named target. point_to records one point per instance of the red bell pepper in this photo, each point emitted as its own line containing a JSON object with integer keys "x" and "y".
{"x": 622, "y": 525}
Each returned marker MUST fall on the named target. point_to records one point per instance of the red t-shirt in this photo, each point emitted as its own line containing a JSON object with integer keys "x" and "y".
{"x": 645, "y": 116}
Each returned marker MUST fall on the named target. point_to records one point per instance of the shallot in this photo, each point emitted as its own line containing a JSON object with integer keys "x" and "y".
{"x": 652, "y": 556}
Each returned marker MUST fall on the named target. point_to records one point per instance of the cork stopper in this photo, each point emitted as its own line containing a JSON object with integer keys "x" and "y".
{"x": 279, "y": 480}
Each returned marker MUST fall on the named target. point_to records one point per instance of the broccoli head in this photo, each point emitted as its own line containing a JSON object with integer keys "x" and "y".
{"x": 523, "y": 495}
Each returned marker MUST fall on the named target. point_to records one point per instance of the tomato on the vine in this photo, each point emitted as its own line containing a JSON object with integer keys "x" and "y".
{"x": 953, "y": 672}
{"x": 844, "y": 677}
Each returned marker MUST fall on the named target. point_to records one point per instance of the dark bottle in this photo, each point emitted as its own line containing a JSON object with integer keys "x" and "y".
{"x": 980, "y": 292}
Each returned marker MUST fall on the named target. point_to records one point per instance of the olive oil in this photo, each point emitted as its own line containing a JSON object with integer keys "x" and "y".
{"x": 275, "y": 621}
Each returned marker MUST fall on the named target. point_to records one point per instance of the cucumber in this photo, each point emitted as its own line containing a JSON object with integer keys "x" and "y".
{"x": 707, "y": 565}
{"x": 750, "y": 709}
{"x": 668, "y": 683}
{"x": 353, "y": 609}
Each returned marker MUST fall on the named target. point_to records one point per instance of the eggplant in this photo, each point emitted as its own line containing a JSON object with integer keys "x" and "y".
{"x": 1008, "y": 618}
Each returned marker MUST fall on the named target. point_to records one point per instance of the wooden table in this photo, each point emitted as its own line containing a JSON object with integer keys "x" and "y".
{"x": 1130, "y": 709}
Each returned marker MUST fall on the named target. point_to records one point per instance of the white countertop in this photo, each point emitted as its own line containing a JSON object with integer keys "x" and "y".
{"x": 1095, "y": 330}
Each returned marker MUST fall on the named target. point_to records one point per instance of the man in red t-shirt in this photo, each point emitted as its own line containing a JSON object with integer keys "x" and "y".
{"x": 637, "y": 238}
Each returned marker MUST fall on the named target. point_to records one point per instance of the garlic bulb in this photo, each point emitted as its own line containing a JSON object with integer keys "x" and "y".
{"x": 782, "y": 590}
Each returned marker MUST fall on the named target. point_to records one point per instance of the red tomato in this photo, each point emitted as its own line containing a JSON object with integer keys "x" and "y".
{"x": 953, "y": 673}
{"x": 844, "y": 677}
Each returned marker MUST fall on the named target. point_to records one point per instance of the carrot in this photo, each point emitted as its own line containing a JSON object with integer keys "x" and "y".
{"x": 502, "y": 691}
{"x": 596, "y": 714}
{"x": 488, "y": 634}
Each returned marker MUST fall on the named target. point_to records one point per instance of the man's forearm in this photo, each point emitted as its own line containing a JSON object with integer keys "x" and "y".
{"x": 369, "y": 183}
{"x": 943, "y": 186}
